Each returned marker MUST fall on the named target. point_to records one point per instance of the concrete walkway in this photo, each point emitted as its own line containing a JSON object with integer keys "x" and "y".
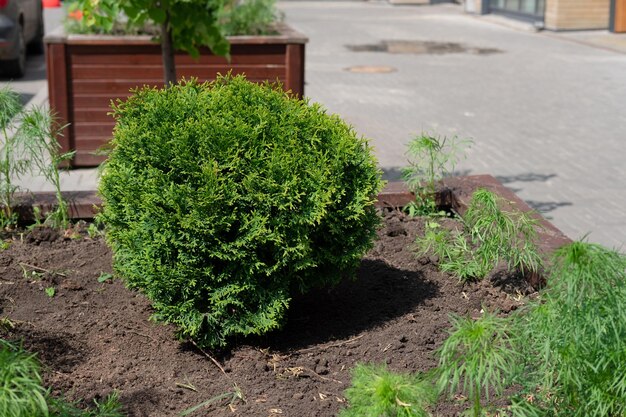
{"x": 546, "y": 111}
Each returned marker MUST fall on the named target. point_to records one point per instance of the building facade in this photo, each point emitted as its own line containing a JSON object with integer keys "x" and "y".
{"x": 558, "y": 14}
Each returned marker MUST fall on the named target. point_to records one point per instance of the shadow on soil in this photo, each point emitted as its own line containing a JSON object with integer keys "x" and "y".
{"x": 379, "y": 294}
{"x": 57, "y": 351}
{"x": 143, "y": 396}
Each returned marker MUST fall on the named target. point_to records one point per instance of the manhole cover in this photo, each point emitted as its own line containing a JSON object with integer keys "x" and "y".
{"x": 421, "y": 47}
{"x": 371, "y": 69}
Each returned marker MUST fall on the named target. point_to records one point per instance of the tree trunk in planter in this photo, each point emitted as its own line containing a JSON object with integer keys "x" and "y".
{"x": 86, "y": 72}
{"x": 167, "y": 53}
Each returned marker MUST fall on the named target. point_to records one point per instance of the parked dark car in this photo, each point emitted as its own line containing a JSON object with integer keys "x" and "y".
{"x": 21, "y": 26}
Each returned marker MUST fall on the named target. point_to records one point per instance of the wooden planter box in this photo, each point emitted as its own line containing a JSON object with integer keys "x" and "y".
{"x": 86, "y": 72}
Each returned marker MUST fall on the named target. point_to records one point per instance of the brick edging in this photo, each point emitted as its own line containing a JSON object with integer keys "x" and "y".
{"x": 457, "y": 192}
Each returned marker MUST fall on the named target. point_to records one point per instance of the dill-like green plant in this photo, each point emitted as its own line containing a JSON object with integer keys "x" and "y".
{"x": 575, "y": 336}
{"x": 489, "y": 235}
{"x": 502, "y": 234}
{"x": 23, "y": 395}
{"x": 477, "y": 358}
{"x": 109, "y": 407}
{"x": 13, "y": 161}
{"x": 21, "y": 392}
{"x": 40, "y": 131}
{"x": 430, "y": 159}
{"x": 378, "y": 392}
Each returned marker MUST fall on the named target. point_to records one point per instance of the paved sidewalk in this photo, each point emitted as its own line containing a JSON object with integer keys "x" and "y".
{"x": 547, "y": 114}
{"x": 546, "y": 111}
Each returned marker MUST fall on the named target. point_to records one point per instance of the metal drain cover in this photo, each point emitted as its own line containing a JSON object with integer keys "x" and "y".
{"x": 371, "y": 69}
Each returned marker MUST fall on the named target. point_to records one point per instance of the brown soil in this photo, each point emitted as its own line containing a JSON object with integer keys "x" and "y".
{"x": 95, "y": 337}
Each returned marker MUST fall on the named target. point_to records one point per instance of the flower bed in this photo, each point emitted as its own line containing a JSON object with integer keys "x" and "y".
{"x": 94, "y": 336}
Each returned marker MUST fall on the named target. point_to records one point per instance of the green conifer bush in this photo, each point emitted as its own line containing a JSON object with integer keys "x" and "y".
{"x": 222, "y": 199}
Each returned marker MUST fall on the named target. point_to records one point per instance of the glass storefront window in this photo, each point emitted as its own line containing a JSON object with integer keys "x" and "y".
{"x": 529, "y": 8}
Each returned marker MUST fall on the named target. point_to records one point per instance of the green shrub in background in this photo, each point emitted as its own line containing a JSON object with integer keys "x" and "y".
{"x": 234, "y": 17}
{"x": 222, "y": 199}
{"x": 379, "y": 392}
{"x": 249, "y": 17}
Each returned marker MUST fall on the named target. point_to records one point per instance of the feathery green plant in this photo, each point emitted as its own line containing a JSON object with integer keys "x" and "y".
{"x": 248, "y": 17}
{"x": 21, "y": 391}
{"x": 40, "y": 132}
{"x": 109, "y": 407}
{"x": 477, "y": 357}
{"x": 430, "y": 159}
{"x": 575, "y": 336}
{"x": 222, "y": 199}
{"x": 23, "y": 395}
{"x": 378, "y": 392}
{"x": 489, "y": 235}
{"x": 13, "y": 160}
{"x": 508, "y": 235}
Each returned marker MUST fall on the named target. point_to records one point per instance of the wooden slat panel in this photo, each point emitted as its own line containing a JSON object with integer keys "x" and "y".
{"x": 86, "y": 159}
{"x": 142, "y": 72}
{"x": 93, "y": 129}
{"x": 121, "y": 88}
{"x": 95, "y": 101}
{"x": 58, "y": 93}
{"x": 295, "y": 69}
{"x": 270, "y": 54}
{"x": 114, "y": 87}
{"x": 83, "y": 115}
{"x": 91, "y": 144}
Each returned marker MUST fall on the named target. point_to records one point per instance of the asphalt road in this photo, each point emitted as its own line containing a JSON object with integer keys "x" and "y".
{"x": 35, "y": 79}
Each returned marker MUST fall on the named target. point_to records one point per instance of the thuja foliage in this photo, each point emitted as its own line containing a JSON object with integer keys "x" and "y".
{"x": 222, "y": 199}
{"x": 430, "y": 159}
{"x": 490, "y": 235}
{"x": 378, "y": 392}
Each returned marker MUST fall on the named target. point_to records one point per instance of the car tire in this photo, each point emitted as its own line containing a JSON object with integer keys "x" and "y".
{"x": 17, "y": 67}
{"x": 36, "y": 46}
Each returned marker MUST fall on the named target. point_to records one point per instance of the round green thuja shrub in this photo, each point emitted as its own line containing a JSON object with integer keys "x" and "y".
{"x": 222, "y": 199}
